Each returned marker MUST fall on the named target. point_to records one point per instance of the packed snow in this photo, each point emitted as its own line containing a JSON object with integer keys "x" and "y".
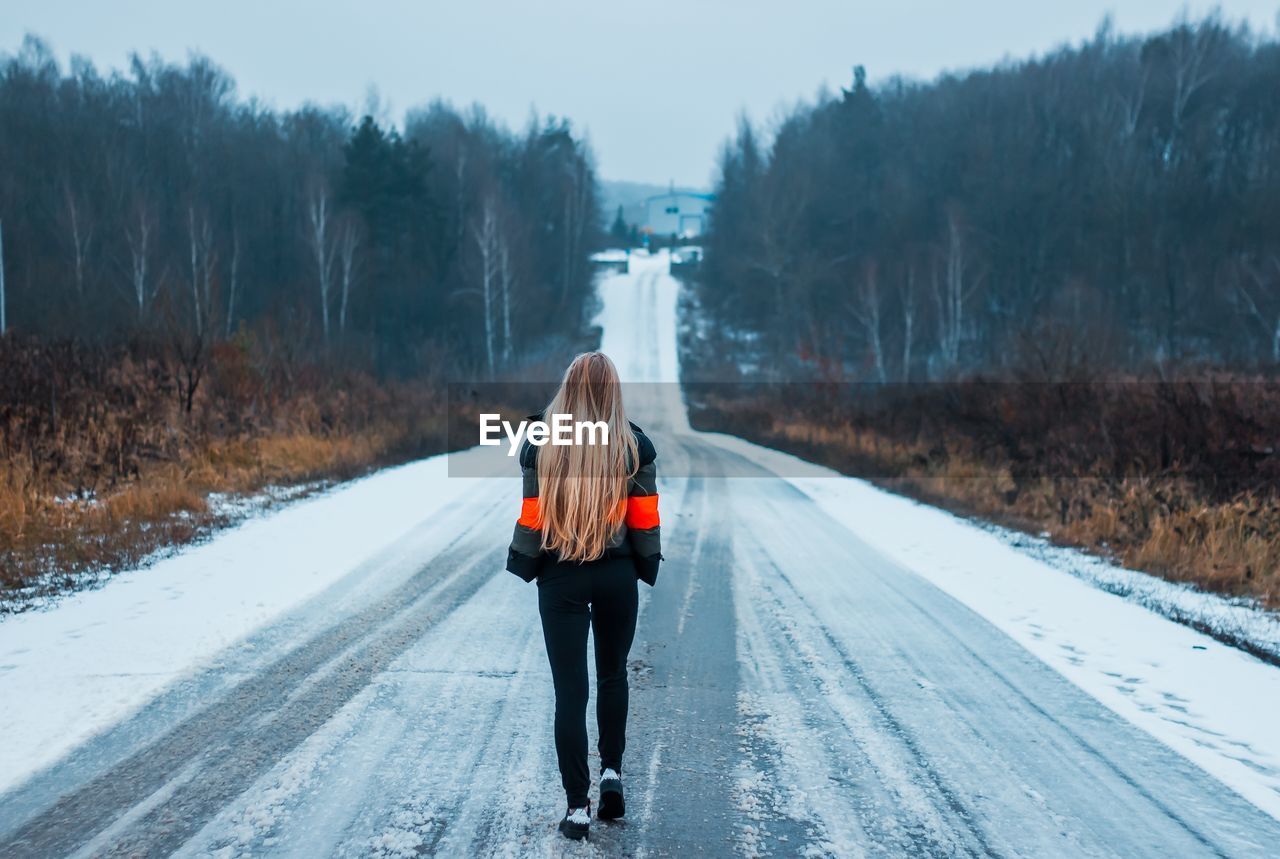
{"x": 94, "y": 657}
{"x": 1212, "y": 703}
{"x": 612, "y": 255}
{"x": 68, "y": 672}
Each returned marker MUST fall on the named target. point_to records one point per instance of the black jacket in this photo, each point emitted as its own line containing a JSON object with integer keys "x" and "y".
{"x": 639, "y": 535}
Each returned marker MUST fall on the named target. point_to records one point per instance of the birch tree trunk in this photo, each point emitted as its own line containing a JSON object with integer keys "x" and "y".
{"x": 203, "y": 260}
{"x": 322, "y": 248}
{"x": 139, "y": 249}
{"x": 234, "y": 281}
{"x": 195, "y": 270}
{"x": 486, "y": 240}
{"x": 908, "y": 322}
{"x": 4, "y": 321}
{"x": 79, "y": 243}
{"x": 206, "y": 271}
{"x": 950, "y": 298}
{"x": 506, "y": 280}
{"x": 867, "y": 312}
{"x": 347, "y": 247}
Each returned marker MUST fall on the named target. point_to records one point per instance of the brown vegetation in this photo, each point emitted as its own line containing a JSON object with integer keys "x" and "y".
{"x": 1174, "y": 478}
{"x": 103, "y": 464}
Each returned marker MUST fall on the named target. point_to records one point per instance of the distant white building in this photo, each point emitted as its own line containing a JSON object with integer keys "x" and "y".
{"x": 677, "y": 214}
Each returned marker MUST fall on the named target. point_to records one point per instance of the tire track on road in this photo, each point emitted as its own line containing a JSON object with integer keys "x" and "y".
{"x": 880, "y": 755}
{"x": 1034, "y": 763}
{"x": 867, "y": 782}
{"x": 256, "y": 723}
{"x": 684, "y": 699}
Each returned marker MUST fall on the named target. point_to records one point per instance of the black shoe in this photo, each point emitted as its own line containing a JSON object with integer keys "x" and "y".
{"x": 576, "y": 823}
{"x": 612, "y": 805}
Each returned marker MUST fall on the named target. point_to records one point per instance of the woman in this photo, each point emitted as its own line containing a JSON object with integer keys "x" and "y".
{"x": 588, "y": 529}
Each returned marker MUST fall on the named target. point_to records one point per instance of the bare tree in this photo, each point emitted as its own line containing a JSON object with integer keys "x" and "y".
{"x": 908, "y": 320}
{"x": 1190, "y": 49}
{"x": 459, "y": 193}
{"x": 486, "y": 237}
{"x": 195, "y": 268}
{"x": 1131, "y": 105}
{"x": 322, "y": 247}
{"x": 192, "y": 351}
{"x": 348, "y": 244}
{"x": 1119, "y": 181}
{"x": 139, "y": 240}
{"x": 1270, "y": 326}
{"x": 4, "y": 322}
{"x": 950, "y": 295}
{"x": 577, "y": 200}
{"x": 775, "y": 232}
{"x": 188, "y": 342}
{"x": 506, "y": 277}
{"x": 162, "y": 174}
{"x": 233, "y": 281}
{"x": 200, "y": 234}
{"x": 81, "y": 234}
{"x": 866, "y": 310}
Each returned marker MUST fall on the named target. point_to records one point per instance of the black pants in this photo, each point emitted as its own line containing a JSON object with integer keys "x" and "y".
{"x": 600, "y": 594}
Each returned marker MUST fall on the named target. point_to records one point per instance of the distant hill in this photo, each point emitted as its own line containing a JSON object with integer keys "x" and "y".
{"x": 631, "y": 196}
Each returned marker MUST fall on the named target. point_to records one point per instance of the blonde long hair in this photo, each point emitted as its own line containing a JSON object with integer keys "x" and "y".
{"x": 582, "y": 488}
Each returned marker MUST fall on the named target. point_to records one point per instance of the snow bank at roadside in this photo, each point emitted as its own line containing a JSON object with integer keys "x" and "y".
{"x": 228, "y": 509}
{"x": 1239, "y": 622}
{"x": 92, "y": 658}
{"x": 610, "y": 255}
{"x": 69, "y": 672}
{"x": 1211, "y": 703}
{"x": 1105, "y": 628}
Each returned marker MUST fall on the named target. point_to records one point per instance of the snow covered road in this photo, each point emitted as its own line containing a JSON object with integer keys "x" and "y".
{"x": 798, "y": 688}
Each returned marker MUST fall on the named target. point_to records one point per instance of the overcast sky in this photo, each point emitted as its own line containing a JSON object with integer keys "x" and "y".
{"x": 657, "y": 84}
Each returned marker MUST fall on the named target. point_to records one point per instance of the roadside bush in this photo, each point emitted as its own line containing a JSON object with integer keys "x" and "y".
{"x": 103, "y": 465}
{"x": 1178, "y": 478}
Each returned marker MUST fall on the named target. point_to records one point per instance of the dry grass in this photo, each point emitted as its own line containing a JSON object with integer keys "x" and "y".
{"x": 54, "y": 539}
{"x": 102, "y": 467}
{"x": 1170, "y": 523}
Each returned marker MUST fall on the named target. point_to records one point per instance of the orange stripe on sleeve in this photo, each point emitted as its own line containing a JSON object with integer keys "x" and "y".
{"x": 642, "y": 512}
{"x": 530, "y": 513}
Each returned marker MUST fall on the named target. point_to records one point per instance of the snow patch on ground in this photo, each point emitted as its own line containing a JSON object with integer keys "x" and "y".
{"x": 99, "y": 655}
{"x": 68, "y": 673}
{"x": 1211, "y": 703}
{"x": 638, "y": 315}
{"x": 227, "y": 509}
{"x": 610, "y": 255}
{"x": 1240, "y": 622}
{"x": 1105, "y": 628}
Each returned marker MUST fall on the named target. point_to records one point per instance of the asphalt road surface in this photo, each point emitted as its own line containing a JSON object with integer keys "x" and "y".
{"x": 793, "y": 693}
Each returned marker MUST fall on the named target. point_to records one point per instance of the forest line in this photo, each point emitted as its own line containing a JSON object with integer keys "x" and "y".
{"x": 153, "y": 203}
{"x": 205, "y": 298}
{"x": 1046, "y": 293}
{"x": 1109, "y": 207}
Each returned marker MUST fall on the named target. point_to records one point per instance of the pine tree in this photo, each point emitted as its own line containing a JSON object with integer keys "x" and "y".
{"x": 619, "y": 230}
